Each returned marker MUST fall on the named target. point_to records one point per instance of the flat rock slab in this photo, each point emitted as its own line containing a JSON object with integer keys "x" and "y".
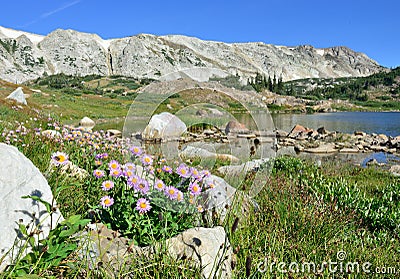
{"x": 322, "y": 149}
{"x": 19, "y": 177}
{"x": 349, "y": 150}
{"x": 190, "y": 152}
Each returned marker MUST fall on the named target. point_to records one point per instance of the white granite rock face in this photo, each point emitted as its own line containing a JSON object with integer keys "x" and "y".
{"x": 19, "y": 177}
{"x": 164, "y": 126}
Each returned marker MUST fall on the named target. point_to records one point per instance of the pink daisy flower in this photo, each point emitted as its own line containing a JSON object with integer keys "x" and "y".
{"x": 167, "y": 169}
{"x": 133, "y": 180}
{"x": 159, "y": 185}
{"x": 107, "y": 185}
{"x": 136, "y": 150}
{"x": 114, "y": 165}
{"x": 142, "y": 186}
{"x": 194, "y": 188}
{"x": 143, "y": 205}
{"x": 205, "y": 173}
{"x": 59, "y": 158}
{"x": 99, "y": 173}
{"x": 130, "y": 166}
{"x": 195, "y": 173}
{"x": 116, "y": 173}
{"x": 171, "y": 192}
{"x": 183, "y": 171}
{"x": 128, "y": 173}
{"x": 106, "y": 201}
{"x": 146, "y": 160}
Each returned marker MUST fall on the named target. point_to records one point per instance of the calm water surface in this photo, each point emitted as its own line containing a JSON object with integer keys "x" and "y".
{"x": 387, "y": 123}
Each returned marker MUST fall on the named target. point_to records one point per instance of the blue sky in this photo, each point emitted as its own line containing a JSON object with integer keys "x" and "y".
{"x": 372, "y": 27}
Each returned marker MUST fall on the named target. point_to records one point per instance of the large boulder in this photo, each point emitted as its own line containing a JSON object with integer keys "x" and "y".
{"x": 87, "y": 123}
{"x": 18, "y": 96}
{"x": 18, "y": 178}
{"x": 164, "y": 126}
{"x": 235, "y": 127}
{"x": 298, "y": 130}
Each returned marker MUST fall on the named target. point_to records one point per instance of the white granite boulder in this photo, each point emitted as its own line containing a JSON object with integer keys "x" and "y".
{"x": 87, "y": 123}
{"x": 18, "y": 96}
{"x": 19, "y": 177}
{"x": 164, "y": 126}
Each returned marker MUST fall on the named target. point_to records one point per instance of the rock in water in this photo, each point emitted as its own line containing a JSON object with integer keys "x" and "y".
{"x": 19, "y": 177}
{"x": 234, "y": 127}
{"x": 164, "y": 126}
{"x": 18, "y": 96}
{"x": 297, "y": 131}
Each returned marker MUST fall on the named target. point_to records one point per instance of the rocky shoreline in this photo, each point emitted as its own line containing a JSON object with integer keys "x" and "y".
{"x": 322, "y": 141}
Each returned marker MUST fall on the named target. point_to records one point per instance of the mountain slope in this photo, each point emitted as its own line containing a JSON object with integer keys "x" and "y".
{"x": 25, "y": 56}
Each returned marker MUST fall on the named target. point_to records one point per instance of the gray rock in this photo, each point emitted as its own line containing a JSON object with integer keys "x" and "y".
{"x": 395, "y": 170}
{"x": 18, "y": 96}
{"x": 239, "y": 170}
{"x": 349, "y": 150}
{"x": 322, "y": 149}
{"x": 322, "y": 131}
{"x": 209, "y": 249}
{"x": 281, "y": 134}
{"x": 234, "y": 127}
{"x": 164, "y": 126}
{"x": 191, "y": 152}
{"x": 19, "y": 177}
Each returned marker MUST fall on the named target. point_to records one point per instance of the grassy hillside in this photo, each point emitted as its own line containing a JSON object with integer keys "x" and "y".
{"x": 381, "y": 90}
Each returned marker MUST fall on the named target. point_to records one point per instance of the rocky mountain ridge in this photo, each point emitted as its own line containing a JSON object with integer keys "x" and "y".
{"x": 25, "y": 56}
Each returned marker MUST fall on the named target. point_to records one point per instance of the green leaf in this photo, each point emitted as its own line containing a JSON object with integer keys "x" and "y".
{"x": 45, "y": 203}
{"x": 22, "y": 228}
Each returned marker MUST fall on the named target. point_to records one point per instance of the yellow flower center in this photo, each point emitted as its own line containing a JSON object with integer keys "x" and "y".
{"x": 107, "y": 201}
{"x": 183, "y": 171}
{"x": 195, "y": 188}
{"x": 143, "y": 205}
{"x": 171, "y": 191}
{"x": 61, "y": 158}
{"x": 141, "y": 186}
{"x": 136, "y": 149}
{"x": 113, "y": 165}
{"x": 147, "y": 159}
